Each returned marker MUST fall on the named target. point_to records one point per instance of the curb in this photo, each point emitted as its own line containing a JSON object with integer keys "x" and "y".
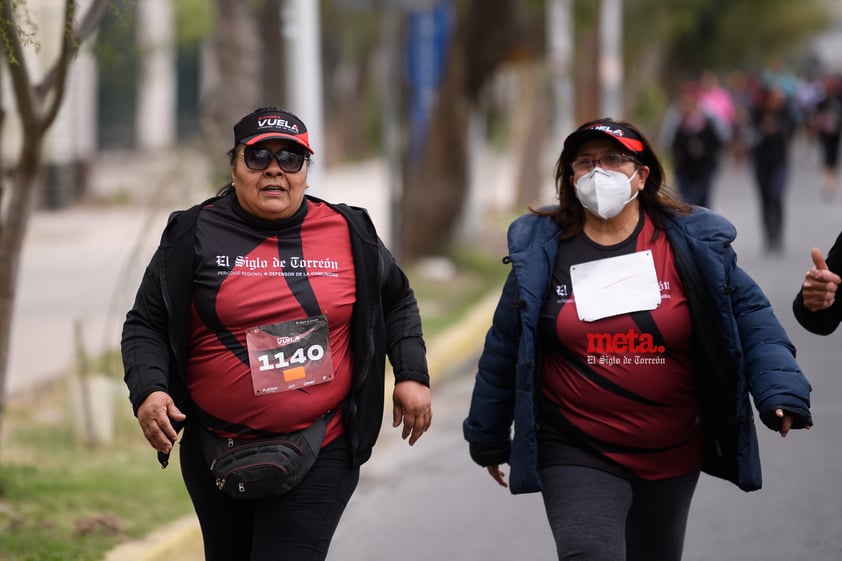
{"x": 182, "y": 540}
{"x": 178, "y": 540}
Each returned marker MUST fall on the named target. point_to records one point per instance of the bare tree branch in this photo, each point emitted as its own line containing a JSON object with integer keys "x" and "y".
{"x": 72, "y": 39}
{"x": 21, "y": 82}
{"x": 69, "y": 47}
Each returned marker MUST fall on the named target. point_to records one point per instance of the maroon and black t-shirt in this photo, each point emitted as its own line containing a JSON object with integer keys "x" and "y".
{"x": 618, "y": 393}
{"x": 252, "y": 273}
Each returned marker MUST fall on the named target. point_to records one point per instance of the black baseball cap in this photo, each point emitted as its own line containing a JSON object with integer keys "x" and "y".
{"x": 607, "y": 129}
{"x": 271, "y": 124}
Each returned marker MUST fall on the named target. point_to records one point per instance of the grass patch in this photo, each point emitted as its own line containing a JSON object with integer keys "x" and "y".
{"x": 61, "y": 499}
{"x": 446, "y": 287}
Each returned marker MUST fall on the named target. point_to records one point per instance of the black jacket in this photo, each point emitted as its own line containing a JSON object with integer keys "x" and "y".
{"x": 386, "y": 321}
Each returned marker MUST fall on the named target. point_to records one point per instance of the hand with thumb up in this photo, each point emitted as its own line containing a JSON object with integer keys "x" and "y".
{"x": 818, "y": 291}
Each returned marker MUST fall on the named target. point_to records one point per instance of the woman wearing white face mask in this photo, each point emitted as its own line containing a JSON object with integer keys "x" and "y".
{"x": 605, "y": 191}
{"x": 623, "y": 350}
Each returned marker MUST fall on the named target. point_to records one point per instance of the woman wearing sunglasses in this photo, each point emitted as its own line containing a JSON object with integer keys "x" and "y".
{"x": 267, "y": 312}
{"x": 623, "y": 350}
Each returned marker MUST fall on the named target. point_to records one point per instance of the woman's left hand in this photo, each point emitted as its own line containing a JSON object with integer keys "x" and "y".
{"x": 786, "y": 421}
{"x": 412, "y": 406}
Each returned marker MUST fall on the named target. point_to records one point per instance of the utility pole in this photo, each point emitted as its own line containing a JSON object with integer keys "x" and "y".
{"x": 611, "y": 58}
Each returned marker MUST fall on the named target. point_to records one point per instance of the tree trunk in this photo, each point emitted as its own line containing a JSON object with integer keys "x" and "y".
{"x": 352, "y": 86}
{"x": 274, "y": 60}
{"x": 436, "y": 181}
{"x": 586, "y": 75}
{"x": 14, "y": 225}
{"x": 486, "y": 34}
{"x": 236, "y": 64}
{"x": 530, "y": 134}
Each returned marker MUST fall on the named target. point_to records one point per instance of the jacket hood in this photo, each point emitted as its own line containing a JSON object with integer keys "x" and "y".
{"x": 705, "y": 226}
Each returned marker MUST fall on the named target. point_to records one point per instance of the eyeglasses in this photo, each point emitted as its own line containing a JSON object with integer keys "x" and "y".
{"x": 258, "y": 159}
{"x": 608, "y": 161}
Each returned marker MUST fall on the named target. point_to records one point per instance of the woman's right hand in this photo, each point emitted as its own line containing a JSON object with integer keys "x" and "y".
{"x": 497, "y": 475}
{"x": 154, "y": 416}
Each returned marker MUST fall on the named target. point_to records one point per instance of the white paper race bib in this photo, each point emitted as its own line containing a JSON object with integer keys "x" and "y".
{"x": 615, "y": 285}
{"x": 289, "y": 355}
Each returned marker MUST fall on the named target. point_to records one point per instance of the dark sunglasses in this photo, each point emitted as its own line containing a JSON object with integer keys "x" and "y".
{"x": 259, "y": 159}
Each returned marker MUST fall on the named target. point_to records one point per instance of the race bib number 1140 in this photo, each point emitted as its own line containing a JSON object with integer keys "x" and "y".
{"x": 289, "y": 355}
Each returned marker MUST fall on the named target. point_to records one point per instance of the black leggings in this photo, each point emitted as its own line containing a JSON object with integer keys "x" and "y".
{"x": 598, "y": 516}
{"x": 297, "y": 526}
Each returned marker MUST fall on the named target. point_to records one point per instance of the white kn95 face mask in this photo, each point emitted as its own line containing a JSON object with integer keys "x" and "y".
{"x": 605, "y": 192}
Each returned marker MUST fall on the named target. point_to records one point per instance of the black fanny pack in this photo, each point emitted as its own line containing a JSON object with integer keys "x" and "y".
{"x": 259, "y": 468}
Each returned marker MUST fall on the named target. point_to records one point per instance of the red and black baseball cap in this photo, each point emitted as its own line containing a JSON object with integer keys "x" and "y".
{"x": 271, "y": 124}
{"x": 604, "y": 129}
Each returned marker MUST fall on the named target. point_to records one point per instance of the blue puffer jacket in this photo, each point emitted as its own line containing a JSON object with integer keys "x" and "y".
{"x": 740, "y": 348}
